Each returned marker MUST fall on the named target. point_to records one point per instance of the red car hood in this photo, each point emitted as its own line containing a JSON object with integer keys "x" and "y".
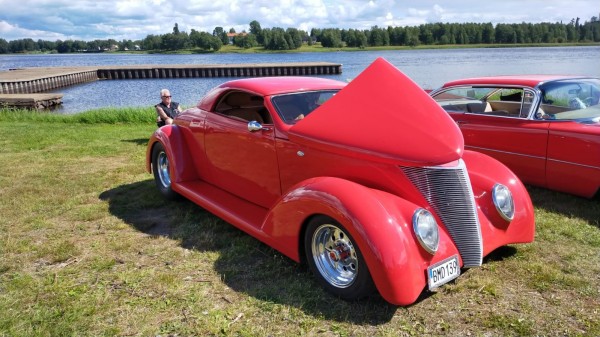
{"x": 382, "y": 115}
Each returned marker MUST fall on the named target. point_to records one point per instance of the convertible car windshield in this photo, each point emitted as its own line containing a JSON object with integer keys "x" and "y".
{"x": 293, "y": 107}
{"x": 571, "y": 99}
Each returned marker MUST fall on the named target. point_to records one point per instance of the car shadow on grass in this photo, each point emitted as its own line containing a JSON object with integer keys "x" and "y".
{"x": 244, "y": 264}
{"x": 138, "y": 141}
{"x": 566, "y": 204}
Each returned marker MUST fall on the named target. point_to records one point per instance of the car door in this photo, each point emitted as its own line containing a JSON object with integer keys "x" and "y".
{"x": 242, "y": 162}
{"x": 574, "y": 157}
{"x": 518, "y": 143}
{"x": 494, "y": 120}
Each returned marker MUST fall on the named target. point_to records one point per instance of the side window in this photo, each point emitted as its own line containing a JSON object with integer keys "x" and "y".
{"x": 508, "y": 102}
{"x": 464, "y": 99}
{"x": 243, "y": 106}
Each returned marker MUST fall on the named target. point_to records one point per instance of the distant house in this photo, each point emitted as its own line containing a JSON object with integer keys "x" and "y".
{"x": 230, "y": 36}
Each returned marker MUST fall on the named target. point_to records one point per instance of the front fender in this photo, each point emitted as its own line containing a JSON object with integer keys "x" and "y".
{"x": 379, "y": 222}
{"x": 180, "y": 164}
{"x": 484, "y": 173}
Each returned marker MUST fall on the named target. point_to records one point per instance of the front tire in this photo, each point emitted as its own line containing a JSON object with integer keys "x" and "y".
{"x": 161, "y": 170}
{"x": 335, "y": 260}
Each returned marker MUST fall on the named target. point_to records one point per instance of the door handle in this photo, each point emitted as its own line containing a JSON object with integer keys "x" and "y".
{"x": 196, "y": 123}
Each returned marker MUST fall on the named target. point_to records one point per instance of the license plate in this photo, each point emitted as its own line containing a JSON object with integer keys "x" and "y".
{"x": 443, "y": 272}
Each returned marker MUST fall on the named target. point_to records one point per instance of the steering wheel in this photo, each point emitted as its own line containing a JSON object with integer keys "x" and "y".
{"x": 588, "y": 101}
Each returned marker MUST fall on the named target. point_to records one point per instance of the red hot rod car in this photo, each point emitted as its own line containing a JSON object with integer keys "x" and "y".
{"x": 371, "y": 189}
{"x": 545, "y": 128}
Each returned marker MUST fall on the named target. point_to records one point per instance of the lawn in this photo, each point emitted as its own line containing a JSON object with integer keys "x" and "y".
{"x": 89, "y": 247}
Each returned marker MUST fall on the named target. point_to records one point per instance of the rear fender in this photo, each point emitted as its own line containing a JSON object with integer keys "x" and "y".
{"x": 180, "y": 163}
{"x": 379, "y": 222}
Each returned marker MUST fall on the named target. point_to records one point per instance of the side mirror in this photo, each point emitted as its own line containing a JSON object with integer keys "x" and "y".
{"x": 254, "y": 126}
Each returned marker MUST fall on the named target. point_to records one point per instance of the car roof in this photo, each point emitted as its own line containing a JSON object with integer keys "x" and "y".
{"x": 266, "y": 86}
{"x": 522, "y": 80}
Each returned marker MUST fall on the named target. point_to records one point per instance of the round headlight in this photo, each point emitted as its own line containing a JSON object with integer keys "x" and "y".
{"x": 503, "y": 201}
{"x": 426, "y": 230}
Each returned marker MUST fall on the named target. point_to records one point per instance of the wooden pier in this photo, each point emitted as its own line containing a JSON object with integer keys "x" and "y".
{"x": 34, "y": 80}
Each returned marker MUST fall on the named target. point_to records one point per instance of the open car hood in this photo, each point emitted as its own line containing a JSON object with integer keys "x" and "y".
{"x": 382, "y": 115}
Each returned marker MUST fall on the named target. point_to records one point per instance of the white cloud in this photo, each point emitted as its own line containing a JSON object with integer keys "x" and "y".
{"x": 135, "y": 19}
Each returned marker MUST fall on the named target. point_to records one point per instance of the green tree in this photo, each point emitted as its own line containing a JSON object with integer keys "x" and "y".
{"x": 46, "y": 46}
{"x": 3, "y": 46}
{"x": 331, "y": 38}
{"x": 64, "y": 46}
{"x": 255, "y": 28}
{"x": 173, "y": 41}
{"x": 379, "y": 37}
{"x": 152, "y": 42}
{"x": 356, "y": 38}
{"x": 245, "y": 41}
{"x": 221, "y": 34}
{"x": 294, "y": 38}
{"x": 277, "y": 40}
{"x": 204, "y": 40}
{"x": 504, "y": 34}
{"x": 425, "y": 34}
{"x": 487, "y": 34}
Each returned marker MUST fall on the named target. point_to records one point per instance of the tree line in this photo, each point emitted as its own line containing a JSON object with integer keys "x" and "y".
{"x": 277, "y": 38}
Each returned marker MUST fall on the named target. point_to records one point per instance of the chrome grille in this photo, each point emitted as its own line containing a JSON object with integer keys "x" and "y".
{"x": 448, "y": 191}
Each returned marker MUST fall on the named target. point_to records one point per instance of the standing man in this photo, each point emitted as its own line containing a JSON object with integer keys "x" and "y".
{"x": 166, "y": 109}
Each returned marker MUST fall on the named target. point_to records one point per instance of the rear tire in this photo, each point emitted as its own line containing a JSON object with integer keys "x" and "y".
{"x": 161, "y": 170}
{"x": 335, "y": 260}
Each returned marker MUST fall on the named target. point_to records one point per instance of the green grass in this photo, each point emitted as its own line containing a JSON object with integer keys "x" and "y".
{"x": 88, "y": 248}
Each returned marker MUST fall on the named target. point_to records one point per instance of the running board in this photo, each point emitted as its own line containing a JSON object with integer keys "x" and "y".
{"x": 242, "y": 214}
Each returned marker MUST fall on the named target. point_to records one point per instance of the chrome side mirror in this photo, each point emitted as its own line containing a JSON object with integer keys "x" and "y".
{"x": 254, "y": 126}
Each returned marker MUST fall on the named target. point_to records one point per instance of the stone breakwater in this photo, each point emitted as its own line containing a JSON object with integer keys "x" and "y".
{"x": 36, "y": 80}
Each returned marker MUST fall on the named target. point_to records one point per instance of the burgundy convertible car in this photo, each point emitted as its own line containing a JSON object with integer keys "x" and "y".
{"x": 371, "y": 188}
{"x": 545, "y": 128}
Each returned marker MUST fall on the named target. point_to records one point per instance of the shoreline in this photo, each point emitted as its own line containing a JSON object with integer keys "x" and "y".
{"x": 230, "y": 49}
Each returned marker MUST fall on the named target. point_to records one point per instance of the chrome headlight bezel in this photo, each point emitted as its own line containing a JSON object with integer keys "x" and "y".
{"x": 426, "y": 230}
{"x": 503, "y": 200}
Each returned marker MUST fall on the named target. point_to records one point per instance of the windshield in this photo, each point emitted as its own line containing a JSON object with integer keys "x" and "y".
{"x": 294, "y": 107}
{"x": 571, "y": 99}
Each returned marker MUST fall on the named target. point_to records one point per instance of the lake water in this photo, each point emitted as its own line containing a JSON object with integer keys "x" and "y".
{"x": 428, "y": 68}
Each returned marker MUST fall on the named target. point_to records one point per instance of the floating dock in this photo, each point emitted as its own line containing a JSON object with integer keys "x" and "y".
{"x": 34, "y": 80}
{"x": 31, "y": 101}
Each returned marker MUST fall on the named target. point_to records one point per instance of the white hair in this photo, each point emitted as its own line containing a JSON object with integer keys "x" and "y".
{"x": 165, "y": 92}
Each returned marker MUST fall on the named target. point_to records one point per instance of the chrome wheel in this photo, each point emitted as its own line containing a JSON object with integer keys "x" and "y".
{"x": 162, "y": 163}
{"x": 334, "y": 256}
{"x": 160, "y": 168}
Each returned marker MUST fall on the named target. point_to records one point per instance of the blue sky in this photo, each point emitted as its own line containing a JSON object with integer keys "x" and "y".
{"x": 135, "y": 19}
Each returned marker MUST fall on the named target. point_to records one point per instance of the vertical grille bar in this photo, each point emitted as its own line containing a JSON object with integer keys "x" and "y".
{"x": 448, "y": 191}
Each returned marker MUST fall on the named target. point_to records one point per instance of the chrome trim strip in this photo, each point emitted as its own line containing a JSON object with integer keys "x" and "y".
{"x": 576, "y": 164}
{"x": 530, "y": 156}
{"x": 507, "y": 152}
